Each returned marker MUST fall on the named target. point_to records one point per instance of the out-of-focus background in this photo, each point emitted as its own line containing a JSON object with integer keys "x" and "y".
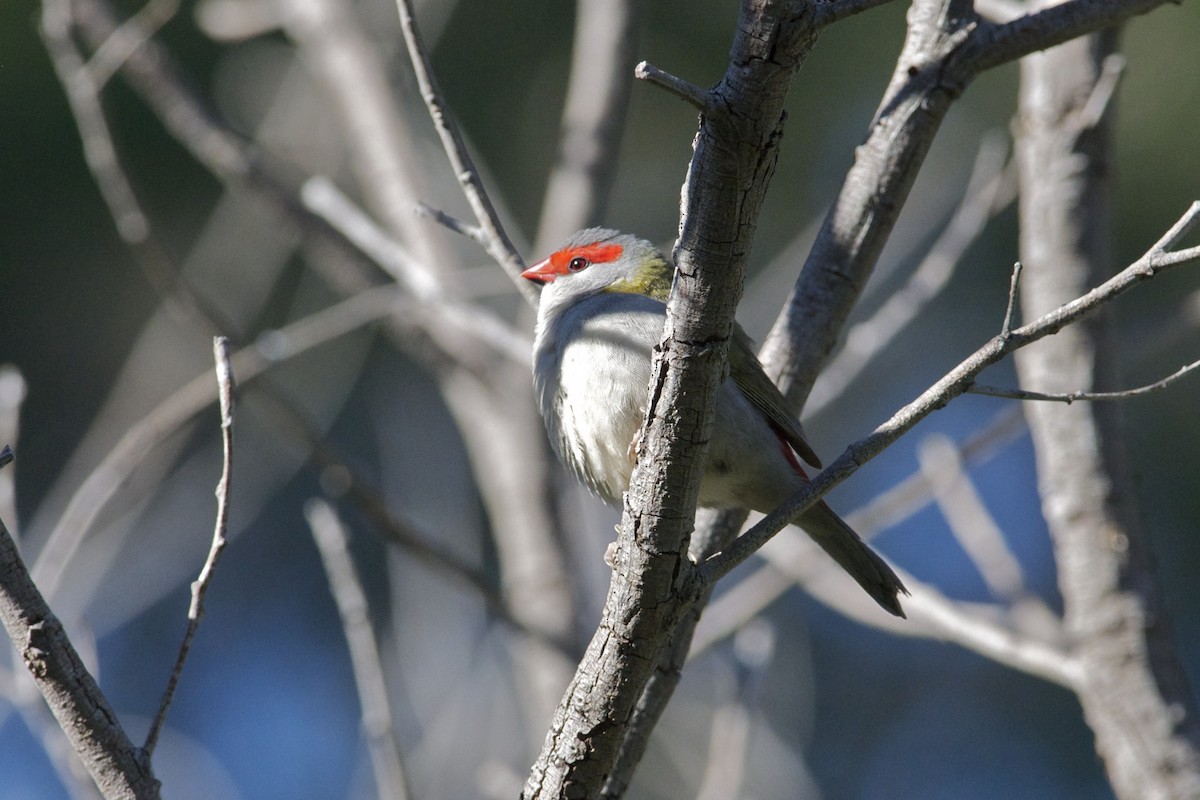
{"x": 267, "y": 706}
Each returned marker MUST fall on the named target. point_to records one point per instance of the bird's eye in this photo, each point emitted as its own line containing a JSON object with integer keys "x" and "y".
{"x": 578, "y": 264}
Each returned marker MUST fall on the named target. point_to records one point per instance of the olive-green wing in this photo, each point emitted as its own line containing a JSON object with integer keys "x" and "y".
{"x": 748, "y": 373}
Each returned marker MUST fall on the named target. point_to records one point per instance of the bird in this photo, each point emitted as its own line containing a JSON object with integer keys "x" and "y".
{"x": 601, "y": 312}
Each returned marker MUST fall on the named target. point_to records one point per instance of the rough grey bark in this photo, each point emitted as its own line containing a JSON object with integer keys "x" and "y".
{"x": 1132, "y": 687}
{"x": 117, "y": 766}
{"x": 652, "y": 587}
{"x": 714, "y": 530}
{"x": 947, "y": 46}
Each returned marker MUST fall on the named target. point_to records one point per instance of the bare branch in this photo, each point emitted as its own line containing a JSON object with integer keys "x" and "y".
{"x": 689, "y": 92}
{"x": 461, "y": 227}
{"x": 452, "y": 320}
{"x": 250, "y": 362}
{"x": 1013, "y": 283}
{"x": 974, "y": 528}
{"x": 333, "y": 543}
{"x": 225, "y": 386}
{"x": 651, "y": 590}
{"x": 82, "y": 92}
{"x": 995, "y": 44}
{"x": 593, "y": 119}
{"x": 134, "y": 33}
{"x": 953, "y": 384}
{"x": 1134, "y": 689}
{"x": 946, "y": 48}
{"x": 116, "y": 765}
{"x": 990, "y": 189}
{"x": 498, "y": 245}
{"x": 1071, "y": 397}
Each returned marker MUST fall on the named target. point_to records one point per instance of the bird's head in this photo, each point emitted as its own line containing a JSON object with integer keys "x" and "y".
{"x": 598, "y": 260}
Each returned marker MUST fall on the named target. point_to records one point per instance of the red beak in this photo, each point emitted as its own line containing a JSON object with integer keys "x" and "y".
{"x": 541, "y": 272}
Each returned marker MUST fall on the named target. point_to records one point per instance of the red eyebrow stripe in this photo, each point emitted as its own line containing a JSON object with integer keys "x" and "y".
{"x": 596, "y": 253}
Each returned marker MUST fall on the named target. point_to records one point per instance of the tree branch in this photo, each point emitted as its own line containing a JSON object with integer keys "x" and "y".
{"x": 225, "y": 385}
{"x": 1133, "y": 688}
{"x": 953, "y": 384}
{"x": 947, "y": 46}
{"x": 119, "y": 463}
{"x": 688, "y": 92}
{"x": 333, "y": 543}
{"x": 117, "y": 766}
{"x": 734, "y": 157}
{"x": 593, "y": 119}
{"x": 497, "y": 242}
{"x": 991, "y": 188}
{"x": 1093, "y": 397}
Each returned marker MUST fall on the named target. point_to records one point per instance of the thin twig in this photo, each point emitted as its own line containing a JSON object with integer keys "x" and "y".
{"x": 225, "y": 387}
{"x": 1094, "y": 397}
{"x": 461, "y": 227}
{"x": 333, "y": 543}
{"x": 454, "y": 319}
{"x": 1177, "y": 257}
{"x": 690, "y": 92}
{"x": 1013, "y": 284}
{"x": 176, "y": 410}
{"x": 497, "y": 244}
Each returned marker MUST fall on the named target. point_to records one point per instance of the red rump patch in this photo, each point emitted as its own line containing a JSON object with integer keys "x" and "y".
{"x": 599, "y": 253}
{"x": 790, "y": 454}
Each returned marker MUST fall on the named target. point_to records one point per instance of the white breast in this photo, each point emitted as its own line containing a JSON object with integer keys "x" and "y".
{"x": 592, "y": 370}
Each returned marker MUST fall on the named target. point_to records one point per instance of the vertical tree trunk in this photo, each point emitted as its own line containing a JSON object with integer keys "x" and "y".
{"x": 1133, "y": 690}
